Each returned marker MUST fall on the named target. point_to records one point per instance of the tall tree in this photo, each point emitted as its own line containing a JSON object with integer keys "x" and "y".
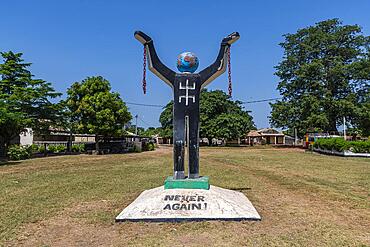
{"x": 95, "y": 109}
{"x": 166, "y": 118}
{"x": 220, "y": 117}
{"x": 152, "y": 131}
{"x": 324, "y": 77}
{"x": 24, "y": 101}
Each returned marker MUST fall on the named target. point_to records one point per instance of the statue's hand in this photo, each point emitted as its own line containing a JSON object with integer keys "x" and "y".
{"x": 142, "y": 37}
{"x": 231, "y": 38}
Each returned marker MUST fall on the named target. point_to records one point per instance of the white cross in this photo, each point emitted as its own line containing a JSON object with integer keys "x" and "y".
{"x": 187, "y": 92}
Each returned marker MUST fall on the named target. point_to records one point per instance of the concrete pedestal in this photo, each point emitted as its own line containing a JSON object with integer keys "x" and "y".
{"x": 160, "y": 205}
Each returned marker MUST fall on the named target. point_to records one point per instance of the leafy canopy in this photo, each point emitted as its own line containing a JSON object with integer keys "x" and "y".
{"x": 95, "y": 109}
{"x": 220, "y": 117}
{"x": 24, "y": 101}
{"x": 324, "y": 76}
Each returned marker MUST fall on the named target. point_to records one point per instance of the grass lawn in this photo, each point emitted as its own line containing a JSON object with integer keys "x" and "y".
{"x": 304, "y": 199}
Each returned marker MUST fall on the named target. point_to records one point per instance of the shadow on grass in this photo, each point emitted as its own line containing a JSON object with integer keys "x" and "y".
{"x": 238, "y": 188}
{"x": 9, "y": 163}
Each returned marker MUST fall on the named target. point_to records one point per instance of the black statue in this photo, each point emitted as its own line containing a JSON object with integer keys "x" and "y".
{"x": 186, "y": 87}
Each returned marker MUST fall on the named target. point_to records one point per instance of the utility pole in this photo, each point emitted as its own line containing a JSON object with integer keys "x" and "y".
{"x": 136, "y": 124}
{"x": 344, "y": 128}
{"x": 295, "y": 136}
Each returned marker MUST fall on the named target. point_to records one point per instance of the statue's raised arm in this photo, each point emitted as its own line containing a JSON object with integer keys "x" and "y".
{"x": 219, "y": 66}
{"x": 155, "y": 65}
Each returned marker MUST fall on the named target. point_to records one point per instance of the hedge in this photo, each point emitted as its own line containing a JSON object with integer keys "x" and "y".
{"x": 340, "y": 145}
{"x": 78, "y": 147}
{"x": 57, "y": 148}
{"x": 17, "y": 152}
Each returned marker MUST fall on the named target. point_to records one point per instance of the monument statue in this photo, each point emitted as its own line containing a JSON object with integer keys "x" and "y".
{"x": 191, "y": 198}
{"x": 186, "y": 86}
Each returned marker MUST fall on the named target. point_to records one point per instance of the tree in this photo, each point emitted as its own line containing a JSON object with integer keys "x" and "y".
{"x": 165, "y": 119}
{"x": 24, "y": 101}
{"x": 220, "y": 117}
{"x": 132, "y": 129}
{"x": 323, "y": 75}
{"x": 361, "y": 119}
{"x": 152, "y": 131}
{"x": 94, "y": 109}
{"x": 149, "y": 132}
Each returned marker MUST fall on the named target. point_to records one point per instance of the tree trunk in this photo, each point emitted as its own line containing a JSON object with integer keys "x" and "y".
{"x": 332, "y": 123}
{"x": 4, "y": 146}
{"x": 97, "y": 146}
{"x": 209, "y": 141}
{"x": 3, "y": 150}
{"x": 45, "y": 146}
{"x": 69, "y": 143}
{"x": 45, "y": 149}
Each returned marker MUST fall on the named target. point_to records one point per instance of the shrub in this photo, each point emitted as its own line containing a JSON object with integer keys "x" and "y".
{"x": 151, "y": 146}
{"x": 52, "y": 148}
{"x": 340, "y": 145}
{"x": 34, "y": 148}
{"x": 148, "y": 146}
{"x": 78, "y": 147}
{"x": 135, "y": 149}
{"x": 17, "y": 152}
{"x": 360, "y": 146}
{"x": 61, "y": 148}
{"x": 75, "y": 148}
{"x": 41, "y": 149}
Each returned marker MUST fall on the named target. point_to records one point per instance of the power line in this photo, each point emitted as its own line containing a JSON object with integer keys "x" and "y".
{"x": 243, "y": 102}
{"x": 140, "y": 104}
{"x": 261, "y": 100}
{"x": 162, "y": 106}
{"x": 145, "y": 122}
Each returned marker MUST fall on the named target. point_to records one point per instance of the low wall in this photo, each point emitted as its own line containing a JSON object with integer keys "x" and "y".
{"x": 345, "y": 153}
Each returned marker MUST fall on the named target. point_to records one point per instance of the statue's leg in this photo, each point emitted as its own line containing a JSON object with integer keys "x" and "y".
{"x": 179, "y": 144}
{"x": 194, "y": 146}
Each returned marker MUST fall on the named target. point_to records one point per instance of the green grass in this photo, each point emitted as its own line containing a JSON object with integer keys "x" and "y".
{"x": 305, "y": 199}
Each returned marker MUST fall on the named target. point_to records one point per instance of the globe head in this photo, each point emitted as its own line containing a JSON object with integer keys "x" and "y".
{"x": 187, "y": 62}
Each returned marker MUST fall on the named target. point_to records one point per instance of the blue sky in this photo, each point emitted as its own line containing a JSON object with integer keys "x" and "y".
{"x": 69, "y": 40}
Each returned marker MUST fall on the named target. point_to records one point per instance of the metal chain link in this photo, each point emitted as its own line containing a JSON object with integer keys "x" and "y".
{"x": 144, "y": 71}
{"x": 229, "y": 71}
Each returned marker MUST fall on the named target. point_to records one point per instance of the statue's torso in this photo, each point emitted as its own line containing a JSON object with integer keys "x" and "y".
{"x": 186, "y": 92}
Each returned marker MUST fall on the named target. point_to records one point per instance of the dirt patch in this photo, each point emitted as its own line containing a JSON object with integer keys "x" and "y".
{"x": 65, "y": 229}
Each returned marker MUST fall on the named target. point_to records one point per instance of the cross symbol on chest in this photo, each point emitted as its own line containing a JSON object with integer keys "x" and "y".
{"x": 186, "y": 96}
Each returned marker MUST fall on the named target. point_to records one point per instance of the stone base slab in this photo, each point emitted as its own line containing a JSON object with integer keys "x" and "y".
{"x": 160, "y": 205}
